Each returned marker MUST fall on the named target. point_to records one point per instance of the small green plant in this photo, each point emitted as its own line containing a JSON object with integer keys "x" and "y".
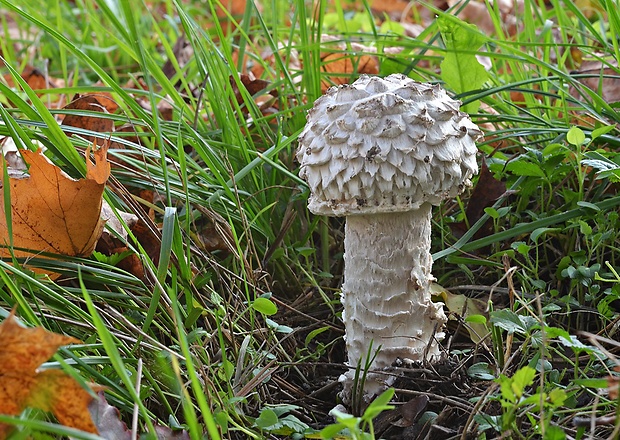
{"x": 515, "y": 399}
{"x": 358, "y": 428}
{"x": 276, "y": 419}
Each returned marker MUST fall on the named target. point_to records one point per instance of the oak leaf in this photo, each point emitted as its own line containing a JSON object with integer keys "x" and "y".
{"x": 22, "y": 385}
{"x": 51, "y": 212}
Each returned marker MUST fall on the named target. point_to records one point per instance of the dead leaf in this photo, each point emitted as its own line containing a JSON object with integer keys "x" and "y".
{"x": 600, "y": 78}
{"x": 183, "y": 52}
{"x": 113, "y": 240}
{"x": 340, "y": 67}
{"x": 33, "y": 77}
{"x": 411, "y": 410}
{"x": 251, "y": 84}
{"x": 107, "y": 419}
{"x": 110, "y": 426}
{"x": 150, "y": 242}
{"x": 394, "y": 8}
{"x": 464, "y": 307}
{"x": 37, "y": 80}
{"x": 51, "y": 212}
{"x": 613, "y": 385}
{"x": 166, "y": 433}
{"x": 93, "y": 103}
{"x": 234, "y": 7}
{"x": 22, "y": 351}
{"x": 291, "y": 59}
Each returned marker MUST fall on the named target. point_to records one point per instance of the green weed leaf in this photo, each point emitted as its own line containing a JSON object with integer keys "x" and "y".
{"x": 535, "y": 235}
{"x": 522, "y": 378}
{"x": 522, "y": 168}
{"x": 481, "y": 371}
{"x": 460, "y": 69}
{"x": 511, "y": 322}
{"x": 265, "y": 306}
{"x": 601, "y": 131}
{"x": 266, "y": 419}
{"x": 554, "y": 433}
{"x": 314, "y": 333}
{"x": 575, "y": 136}
{"x": 379, "y": 405}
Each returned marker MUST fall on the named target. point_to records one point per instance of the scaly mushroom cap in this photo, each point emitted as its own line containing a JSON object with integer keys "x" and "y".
{"x": 385, "y": 145}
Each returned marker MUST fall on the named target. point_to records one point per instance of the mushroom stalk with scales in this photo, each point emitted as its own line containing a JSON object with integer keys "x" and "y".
{"x": 381, "y": 152}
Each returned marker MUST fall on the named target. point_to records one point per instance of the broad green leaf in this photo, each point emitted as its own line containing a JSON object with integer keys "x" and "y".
{"x": 314, "y": 333}
{"x": 522, "y": 168}
{"x": 508, "y": 320}
{"x": 522, "y": 378}
{"x": 588, "y": 205}
{"x": 278, "y": 327}
{"x": 290, "y": 424}
{"x": 481, "y": 370}
{"x": 575, "y": 136}
{"x": 476, "y": 319}
{"x": 540, "y": 231}
{"x": 557, "y": 396}
{"x": 264, "y": 306}
{"x": 592, "y": 383}
{"x": 460, "y": 69}
{"x": 331, "y": 431}
{"x": 266, "y": 419}
{"x": 600, "y": 164}
{"x": 554, "y": 432}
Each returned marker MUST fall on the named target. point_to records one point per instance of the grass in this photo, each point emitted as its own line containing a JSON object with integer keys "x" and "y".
{"x": 201, "y": 325}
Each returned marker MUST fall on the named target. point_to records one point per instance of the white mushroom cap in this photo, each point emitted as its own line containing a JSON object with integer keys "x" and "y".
{"x": 385, "y": 145}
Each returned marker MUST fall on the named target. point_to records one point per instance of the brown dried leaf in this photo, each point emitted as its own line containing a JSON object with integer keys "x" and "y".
{"x": 51, "y": 212}
{"x": 22, "y": 351}
{"x": 183, "y": 52}
{"x": 93, "y": 103}
{"x": 234, "y": 7}
{"x": 613, "y": 385}
{"x": 464, "y": 307}
{"x": 601, "y": 78}
{"x": 251, "y": 84}
{"x": 107, "y": 419}
{"x": 341, "y": 66}
{"x": 33, "y": 77}
{"x": 411, "y": 410}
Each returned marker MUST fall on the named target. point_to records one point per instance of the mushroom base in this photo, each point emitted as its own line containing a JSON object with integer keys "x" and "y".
{"x": 386, "y": 295}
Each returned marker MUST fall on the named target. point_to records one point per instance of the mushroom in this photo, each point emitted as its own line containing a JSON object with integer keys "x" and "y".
{"x": 381, "y": 152}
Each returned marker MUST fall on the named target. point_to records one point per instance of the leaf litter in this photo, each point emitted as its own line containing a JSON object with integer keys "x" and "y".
{"x": 23, "y": 384}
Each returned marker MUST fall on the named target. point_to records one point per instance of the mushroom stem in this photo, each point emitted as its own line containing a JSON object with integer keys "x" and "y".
{"x": 386, "y": 294}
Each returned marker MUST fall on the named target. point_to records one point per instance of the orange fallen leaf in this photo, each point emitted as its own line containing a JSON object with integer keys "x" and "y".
{"x": 33, "y": 77}
{"x": 22, "y": 351}
{"x": 51, "y": 212}
{"x": 37, "y": 81}
{"x": 340, "y": 67}
{"x": 234, "y": 7}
